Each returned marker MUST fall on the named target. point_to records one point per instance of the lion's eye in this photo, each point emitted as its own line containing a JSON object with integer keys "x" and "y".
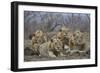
{"x": 55, "y": 43}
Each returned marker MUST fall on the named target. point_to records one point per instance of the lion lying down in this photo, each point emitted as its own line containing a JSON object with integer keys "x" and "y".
{"x": 52, "y": 48}
{"x": 63, "y": 43}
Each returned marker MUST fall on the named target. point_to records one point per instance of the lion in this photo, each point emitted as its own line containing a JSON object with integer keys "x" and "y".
{"x": 71, "y": 39}
{"x": 40, "y": 36}
{"x": 79, "y": 40}
{"x": 71, "y": 42}
{"x": 78, "y": 34}
{"x": 63, "y": 36}
{"x": 79, "y": 43}
{"x": 64, "y": 29}
{"x": 37, "y": 39}
{"x": 51, "y": 48}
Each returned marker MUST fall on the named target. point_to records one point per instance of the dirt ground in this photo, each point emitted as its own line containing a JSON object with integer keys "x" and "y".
{"x": 69, "y": 57}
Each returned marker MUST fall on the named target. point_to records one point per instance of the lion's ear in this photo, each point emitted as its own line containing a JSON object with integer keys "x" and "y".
{"x": 31, "y": 35}
{"x": 51, "y": 40}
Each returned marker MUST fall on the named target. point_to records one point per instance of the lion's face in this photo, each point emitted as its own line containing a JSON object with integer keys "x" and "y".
{"x": 77, "y": 34}
{"x": 57, "y": 44}
{"x": 39, "y": 37}
{"x": 39, "y": 33}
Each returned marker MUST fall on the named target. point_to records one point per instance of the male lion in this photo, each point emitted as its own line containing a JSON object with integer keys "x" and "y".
{"x": 51, "y": 48}
{"x": 38, "y": 38}
{"x": 79, "y": 40}
{"x": 71, "y": 42}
